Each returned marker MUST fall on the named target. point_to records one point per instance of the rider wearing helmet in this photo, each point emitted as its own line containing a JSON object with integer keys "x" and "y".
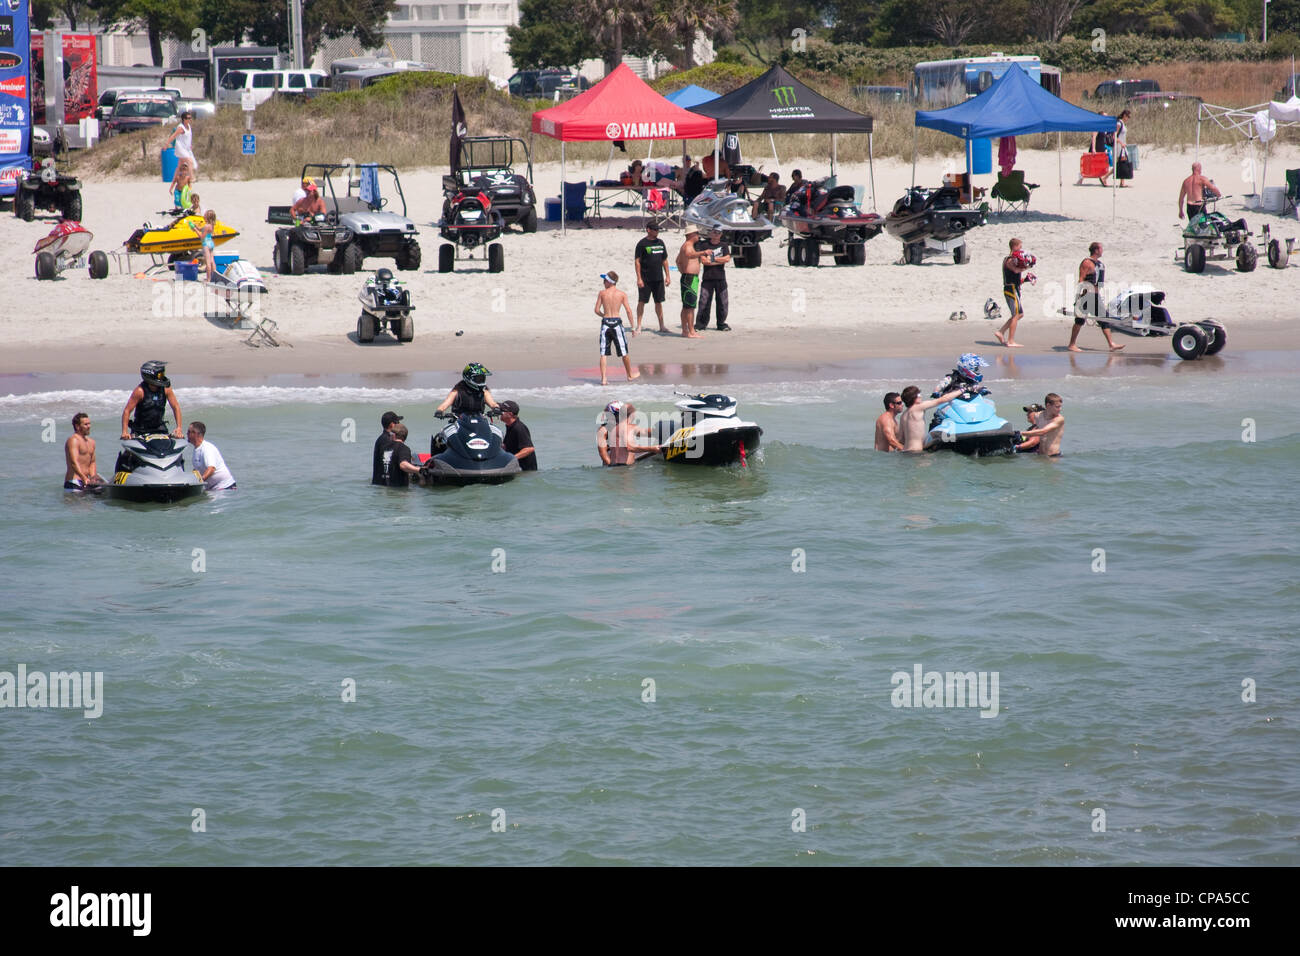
{"x": 148, "y": 401}
{"x": 966, "y": 376}
{"x": 384, "y": 283}
{"x": 470, "y": 396}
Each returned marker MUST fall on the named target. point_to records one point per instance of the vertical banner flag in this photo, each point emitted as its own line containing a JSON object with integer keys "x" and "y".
{"x": 457, "y": 129}
{"x": 15, "y": 94}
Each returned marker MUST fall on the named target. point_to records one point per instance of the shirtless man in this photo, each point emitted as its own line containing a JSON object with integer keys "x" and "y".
{"x": 79, "y": 451}
{"x": 618, "y": 438}
{"x": 1088, "y": 301}
{"x": 912, "y": 424}
{"x": 1049, "y": 427}
{"x": 609, "y": 301}
{"x": 688, "y": 266}
{"x": 887, "y": 424}
{"x": 1196, "y": 189}
{"x": 310, "y": 204}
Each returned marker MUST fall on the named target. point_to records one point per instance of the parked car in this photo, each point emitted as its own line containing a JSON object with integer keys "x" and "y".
{"x": 1122, "y": 89}
{"x": 887, "y": 94}
{"x": 1162, "y": 100}
{"x": 107, "y": 98}
{"x": 542, "y": 84}
{"x": 263, "y": 84}
{"x": 134, "y": 111}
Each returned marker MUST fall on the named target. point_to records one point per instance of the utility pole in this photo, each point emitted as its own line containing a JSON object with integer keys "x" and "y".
{"x": 1265, "y": 21}
{"x": 295, "y": 33}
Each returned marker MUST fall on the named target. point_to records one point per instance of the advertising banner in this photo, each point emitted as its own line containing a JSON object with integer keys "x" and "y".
{"x": 80, "y": 89}
{"x": 15, "y": 93}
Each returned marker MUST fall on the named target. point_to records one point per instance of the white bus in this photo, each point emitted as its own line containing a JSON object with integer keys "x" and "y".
{"x": 940, "y": 83}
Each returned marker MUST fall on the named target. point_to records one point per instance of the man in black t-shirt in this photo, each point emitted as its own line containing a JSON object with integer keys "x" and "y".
{"x": 385, "y": 439}
{"x": 518, "y": 440}
{"x": 713, "y": 280}
{"x": 651, "y": 259}
{"x": 399, "y": 460}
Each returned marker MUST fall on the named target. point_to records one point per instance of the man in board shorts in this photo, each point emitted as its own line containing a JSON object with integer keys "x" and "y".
{"x": 651, "y": 258}
{"x": 1013, "y": 268}
{"x": 610, "y": 301}
{"x": 688, "y": 264}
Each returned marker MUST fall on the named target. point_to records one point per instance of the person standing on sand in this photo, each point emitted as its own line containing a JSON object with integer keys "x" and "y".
{"x": 650, "y": 257}
{"x": 887, "y": 424}
{"x": 1121, "y": 147}
{"x": 182, "y": 141}
{"x": 1196, "y": 190}
{"x": 1014, "y": 266}
{"x": 79, "y": 453}
{"x": 714, "y": 255}
{"x": 1088, "y": 298}
{"x": 912, "y": 422}
{"x": 609, "y": 302}
{"x": 688, "y": 267}
{"x": 1049, "y": 427}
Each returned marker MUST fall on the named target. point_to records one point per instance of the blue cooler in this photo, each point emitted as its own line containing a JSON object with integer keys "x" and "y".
{"x": 981, "y": 156}
{"x": 186, "y": 271}
{"x": 220, "y": 262}
{"x": 169, "y": 164}
{"x": 552, "y": 209}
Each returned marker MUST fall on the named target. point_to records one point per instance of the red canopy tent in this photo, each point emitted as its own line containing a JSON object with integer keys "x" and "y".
{"x": 620, "y": 107}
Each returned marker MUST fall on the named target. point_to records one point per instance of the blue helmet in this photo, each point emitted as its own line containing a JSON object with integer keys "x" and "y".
{"x": 970, "y": 365}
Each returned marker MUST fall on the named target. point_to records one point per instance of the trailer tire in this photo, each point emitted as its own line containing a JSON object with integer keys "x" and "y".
{"x": 446, "y": 257}
{"x": 1247, "y": 257}
{"x": 1189, "y": 342}
{"x": 47, "y": 267}
{"x": 366, "y": 327}
{"x": 98, "y": 265}
{"x": 1217, "y": 338}
{"x": 496, "y": 257}
{"x": 1194, "y": 258}
{"x": 1277, "y": 254}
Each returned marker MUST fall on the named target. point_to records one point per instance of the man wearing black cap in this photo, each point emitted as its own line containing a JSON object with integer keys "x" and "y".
{"x": 518, "y": 440}
{"x": 715, "y": 254}
{"x": 383, "y": 445}
{"x": 651, "y": 258}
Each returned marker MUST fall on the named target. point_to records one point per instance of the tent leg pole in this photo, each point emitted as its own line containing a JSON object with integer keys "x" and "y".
{"x": 913, "y": 157}
{"x": 1060, "y": 175}
{"x": 609, "y": 162}
{"x": 776, "y": 161}
{"x": 871, "y": 166}
{"x": 716, "y": 168}
{"x": 564, "y": 207}
{"x": 833, "y": 154}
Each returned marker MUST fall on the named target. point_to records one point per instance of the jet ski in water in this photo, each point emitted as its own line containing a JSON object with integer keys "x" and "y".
{"x": 152, "y": 468}
{"x": 708, "y": 432}
{"x": 969, "y": 424}
{"x": 468, "y": 452}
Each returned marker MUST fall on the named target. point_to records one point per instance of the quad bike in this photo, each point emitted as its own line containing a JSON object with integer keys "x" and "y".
{"x": 1212, "y": 235}
{"x": 385, "y": 303}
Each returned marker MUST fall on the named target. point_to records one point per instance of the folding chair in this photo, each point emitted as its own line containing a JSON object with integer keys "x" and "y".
{"x": 1012, "y": 192}
{"x": 575, "y": 202}
{"x": 1292, "y": 192}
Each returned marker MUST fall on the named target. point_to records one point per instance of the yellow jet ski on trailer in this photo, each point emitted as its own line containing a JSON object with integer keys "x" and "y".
{"x": 179, "y": 239}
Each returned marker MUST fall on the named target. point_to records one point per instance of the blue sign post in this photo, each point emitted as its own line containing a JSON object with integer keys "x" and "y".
{"x": 15, "y": 94}
{"x": 250, "y": 144}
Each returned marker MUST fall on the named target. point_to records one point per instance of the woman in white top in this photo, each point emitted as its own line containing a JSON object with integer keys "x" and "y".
{"x": 182, "y": 139}
{"x": 1121, "y": 142}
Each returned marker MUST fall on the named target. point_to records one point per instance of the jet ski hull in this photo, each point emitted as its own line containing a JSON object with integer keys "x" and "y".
{"x": 448, "y": 469}
{"x": 152, "y": 470}
{"x": 711, "y": 444}
{"x": 149, "y": 493}
{"x": 971, "y": 427}
{"x": 179, "y": 237}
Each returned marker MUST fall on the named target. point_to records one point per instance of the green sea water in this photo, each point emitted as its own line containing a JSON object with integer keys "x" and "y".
{"x": 669, "y": 665}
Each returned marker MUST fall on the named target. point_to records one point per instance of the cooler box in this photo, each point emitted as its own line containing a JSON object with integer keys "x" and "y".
{"x": 981, "y": 156}
{"x": 1092, "y": 165}
{"x": 169, "y": 164}
{"x": 1273, "y": 198}
{"x": 222, "y": 261}
{"x": 187, "y": 271}
{"x": 552, "y": 209}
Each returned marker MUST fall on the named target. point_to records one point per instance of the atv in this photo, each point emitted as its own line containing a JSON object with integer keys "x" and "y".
{"x": 48, "y": 189}
{"x": 486, "y": 164}
{"x": 355, "y": 226}
{"x": 1212, "y": 235}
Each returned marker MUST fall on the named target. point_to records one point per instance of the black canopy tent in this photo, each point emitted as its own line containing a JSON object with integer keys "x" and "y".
{"x": 776, "y": 102}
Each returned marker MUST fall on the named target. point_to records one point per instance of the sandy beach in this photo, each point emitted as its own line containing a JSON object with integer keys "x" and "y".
{"x": 537, "y": 314}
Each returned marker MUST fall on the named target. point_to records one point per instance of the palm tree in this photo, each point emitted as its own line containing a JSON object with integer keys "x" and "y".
{"x": 676, "y": 23}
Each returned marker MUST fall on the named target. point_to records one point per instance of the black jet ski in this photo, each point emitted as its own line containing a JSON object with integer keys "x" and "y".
{"x": 468, "y": 452}
{"x": 152, "y": 468}
{"x": 931, "y": 217}
{"x": 708, "y": 432}
{"x": 469, "y": 221}
{"x": 817, "y": 216}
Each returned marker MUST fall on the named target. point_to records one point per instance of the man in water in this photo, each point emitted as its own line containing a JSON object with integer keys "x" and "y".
{"x": 610, "y": 300}
{"x": 887, "y": 424}
{"x": 651, "y": 257}
{"x": 1088, "y": 299}
{"x": 1049, "y": 427}
{"x": 518, "y": 440}
{"x": 208, "y": 461}
{"x": 1196, "y": 190}
{"x": 382, "y": 443}
{"x": 79, "y": 452}
{"x": 688, "y": 264}
{"x": 148, "y": 401}
{"x": 912, "y": 424}
{"x": 618, "y": 439}
{"x": 400, "y": 464}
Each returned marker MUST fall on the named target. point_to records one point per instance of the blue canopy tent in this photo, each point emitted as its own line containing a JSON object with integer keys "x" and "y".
{"x": 689, "y": 96}
{"x": 1014, "y": 105}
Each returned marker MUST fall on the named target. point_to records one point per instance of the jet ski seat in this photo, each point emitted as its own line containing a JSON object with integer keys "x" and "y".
{"x": 842, "y": 193}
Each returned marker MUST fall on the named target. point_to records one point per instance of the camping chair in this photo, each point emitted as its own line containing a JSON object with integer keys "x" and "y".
{"x": 1292, "y": 203}
{"x": 575, "y": 202}
{"x": 1011, "y": 192}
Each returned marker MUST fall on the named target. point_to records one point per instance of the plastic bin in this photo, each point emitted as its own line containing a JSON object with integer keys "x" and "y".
{"x": 981, "y": 160}
{"x": 552, "y": 205}
{"x": 169, "y": 164}
{"x": 1092, "y": 165}
{"x": 186, "y": 271}
{"x": 1273, "y": 198}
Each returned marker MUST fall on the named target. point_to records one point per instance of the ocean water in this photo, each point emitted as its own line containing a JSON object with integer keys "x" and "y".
{"x": 503, "y": 640}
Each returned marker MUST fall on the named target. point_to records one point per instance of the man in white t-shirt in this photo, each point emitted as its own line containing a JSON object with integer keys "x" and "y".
{"x": 208, "y": 461}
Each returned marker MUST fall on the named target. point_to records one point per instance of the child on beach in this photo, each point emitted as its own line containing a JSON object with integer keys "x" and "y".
{"x": 182, "y": 184}
{"x": 608, "y": 303}
{"x": 205, "y": 233}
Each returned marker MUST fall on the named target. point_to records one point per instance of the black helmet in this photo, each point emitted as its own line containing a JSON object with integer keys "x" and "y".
{"x": 155, "y": 373}
{"x": 475, "y": 376}
{"x": 384, "y": 276}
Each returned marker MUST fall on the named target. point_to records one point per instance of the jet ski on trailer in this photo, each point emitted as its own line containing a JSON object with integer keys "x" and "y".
{"x": 932, "y": 220}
